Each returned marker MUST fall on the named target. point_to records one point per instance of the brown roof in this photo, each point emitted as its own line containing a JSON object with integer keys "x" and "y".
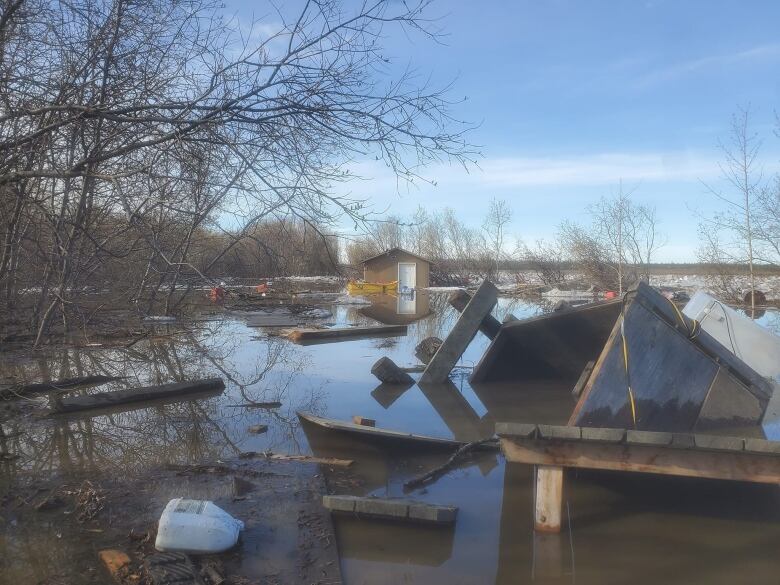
{"x": 387, "y": 252}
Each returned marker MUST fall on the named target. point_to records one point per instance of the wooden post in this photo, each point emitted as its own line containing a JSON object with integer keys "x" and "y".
{"x": 462, "y": 333}
{"x": 548, "y": 502}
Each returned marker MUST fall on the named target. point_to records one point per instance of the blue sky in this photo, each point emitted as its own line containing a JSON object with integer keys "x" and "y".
{"x": 573, "y": 96}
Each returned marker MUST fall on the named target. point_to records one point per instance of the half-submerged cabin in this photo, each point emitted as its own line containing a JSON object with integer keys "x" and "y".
{"x": 410, "y": 270}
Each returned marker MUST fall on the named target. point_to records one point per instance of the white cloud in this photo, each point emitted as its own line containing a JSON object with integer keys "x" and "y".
{"x": 572, "y": 170}
{"x": 763, "y": 52}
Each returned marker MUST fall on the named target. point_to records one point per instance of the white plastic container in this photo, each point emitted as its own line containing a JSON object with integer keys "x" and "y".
{"x": 196, "y": 526}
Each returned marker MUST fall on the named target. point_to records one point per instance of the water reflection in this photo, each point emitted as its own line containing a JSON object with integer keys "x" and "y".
{"x": 399, "y": 309}
{"x": 622, "y": 529}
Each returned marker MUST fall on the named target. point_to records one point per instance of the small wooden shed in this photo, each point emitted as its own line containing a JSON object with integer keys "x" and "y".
{"x": 410, "y": 270}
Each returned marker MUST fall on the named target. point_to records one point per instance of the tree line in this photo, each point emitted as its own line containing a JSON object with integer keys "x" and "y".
{"x": 152, "y": 144}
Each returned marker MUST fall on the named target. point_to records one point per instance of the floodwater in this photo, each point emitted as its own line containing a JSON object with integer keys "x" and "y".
{"x": 620, "y": 528}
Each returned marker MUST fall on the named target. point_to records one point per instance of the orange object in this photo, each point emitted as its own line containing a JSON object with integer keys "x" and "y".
{"x": 610, "y": 294}
{"x": 115, "y": 561}
{"x": 261, "y": 288}
{"x": 217, "y": 294}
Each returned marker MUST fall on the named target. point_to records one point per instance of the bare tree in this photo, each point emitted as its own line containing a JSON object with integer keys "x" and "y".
{"x": 132, "y": 133}
{"x": 618, "y": 247}
{"x": 729, "y": 236}
{"x": 498, "y": 216}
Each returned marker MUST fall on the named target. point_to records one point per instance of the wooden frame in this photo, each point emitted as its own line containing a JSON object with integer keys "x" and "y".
{"x": 552, "y": 448}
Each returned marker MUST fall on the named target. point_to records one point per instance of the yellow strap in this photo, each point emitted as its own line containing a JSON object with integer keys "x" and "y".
{"x": 625, "y": 363}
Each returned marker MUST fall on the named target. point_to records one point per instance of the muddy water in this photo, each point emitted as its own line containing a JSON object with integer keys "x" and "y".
{"x": 620, "y": 528}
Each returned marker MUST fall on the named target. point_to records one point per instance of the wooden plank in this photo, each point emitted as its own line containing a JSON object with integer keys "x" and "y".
{"x": 583, "y": 379}
{"x": 391, "y": 509}
{"x": 304, "y": 336}
{"x": 663, "y": 460}
{"x": 461, "y": 335}
{"x": 135, "y": 395}
{"x": 548, "y": 498}
{"x": 489, "y": 325}
{"x": 669, "y": 376}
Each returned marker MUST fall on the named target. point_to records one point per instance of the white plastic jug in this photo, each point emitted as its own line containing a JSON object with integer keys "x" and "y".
{"x": 196, "y": 526}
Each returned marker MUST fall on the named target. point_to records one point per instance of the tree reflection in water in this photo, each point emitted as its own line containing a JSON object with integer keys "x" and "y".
{"x": 136, "y": 437}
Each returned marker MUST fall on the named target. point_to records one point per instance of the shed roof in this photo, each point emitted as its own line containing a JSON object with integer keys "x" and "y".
{"x": 391, "y": 250}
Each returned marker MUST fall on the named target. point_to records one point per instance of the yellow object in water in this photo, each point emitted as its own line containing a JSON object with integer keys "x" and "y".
{"x": 371, "y": 288}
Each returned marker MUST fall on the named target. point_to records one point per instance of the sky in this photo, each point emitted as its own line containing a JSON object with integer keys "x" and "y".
{"x": 569, "y": 97}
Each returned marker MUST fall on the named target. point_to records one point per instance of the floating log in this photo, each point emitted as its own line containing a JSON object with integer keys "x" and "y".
{"x": 304, "y": 336}
{"x": 56, "y": 385}
{"x": 391, "y": 509}
{"x": 681, "y": 378}
{"x": 258, "y": 429}
{"x": 557, "y": 344}
{"x": 147, "y": 393}
{"x": 385, "y": 437}
{"x": 388, "y": 372}
{"x": 462, "y": 333}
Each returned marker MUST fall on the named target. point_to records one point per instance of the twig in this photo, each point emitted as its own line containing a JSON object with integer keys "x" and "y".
{"x": 437, "y": 472}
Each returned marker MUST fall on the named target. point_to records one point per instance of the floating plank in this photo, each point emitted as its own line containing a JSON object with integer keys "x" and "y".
{"x": 391, "y": 509}
{"x": 462, "y": 333}
{"x": 133, "y": 395}
{"x": 682, "y": 379}
{"x": 558, "y": 344}
{"x": 56, "y": 385}
{"x": 386, "y": 437}
{"x": 304, "y": 336}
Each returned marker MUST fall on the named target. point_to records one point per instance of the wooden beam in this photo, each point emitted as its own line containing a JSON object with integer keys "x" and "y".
{"x": 489, "y": 325}
{"x": 462, "y": 333}
{"x": 659, "y": 459}
{"x": 548, "y": 498}
{"x": 135, "y": 395}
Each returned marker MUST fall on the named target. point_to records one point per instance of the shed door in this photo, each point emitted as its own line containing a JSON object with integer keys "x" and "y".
{"x": 407, "y": 276}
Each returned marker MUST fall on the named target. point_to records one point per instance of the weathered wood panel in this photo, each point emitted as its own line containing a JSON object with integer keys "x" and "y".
{"x": 675, "y": 381}
{"x": 557, "y": 345}
{"x": 669, "y": 376}
{"x": 461, "y": 335}
{"x": 135, "y": 395}
{"x": 646, "y": 458}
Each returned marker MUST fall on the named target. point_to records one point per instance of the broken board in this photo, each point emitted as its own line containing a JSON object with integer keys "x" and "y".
{"x": 462, "y": 333}
{"x": 555, "y": 345}
{"x": 681, "y": 378}
{"x": 133, "y": 395}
